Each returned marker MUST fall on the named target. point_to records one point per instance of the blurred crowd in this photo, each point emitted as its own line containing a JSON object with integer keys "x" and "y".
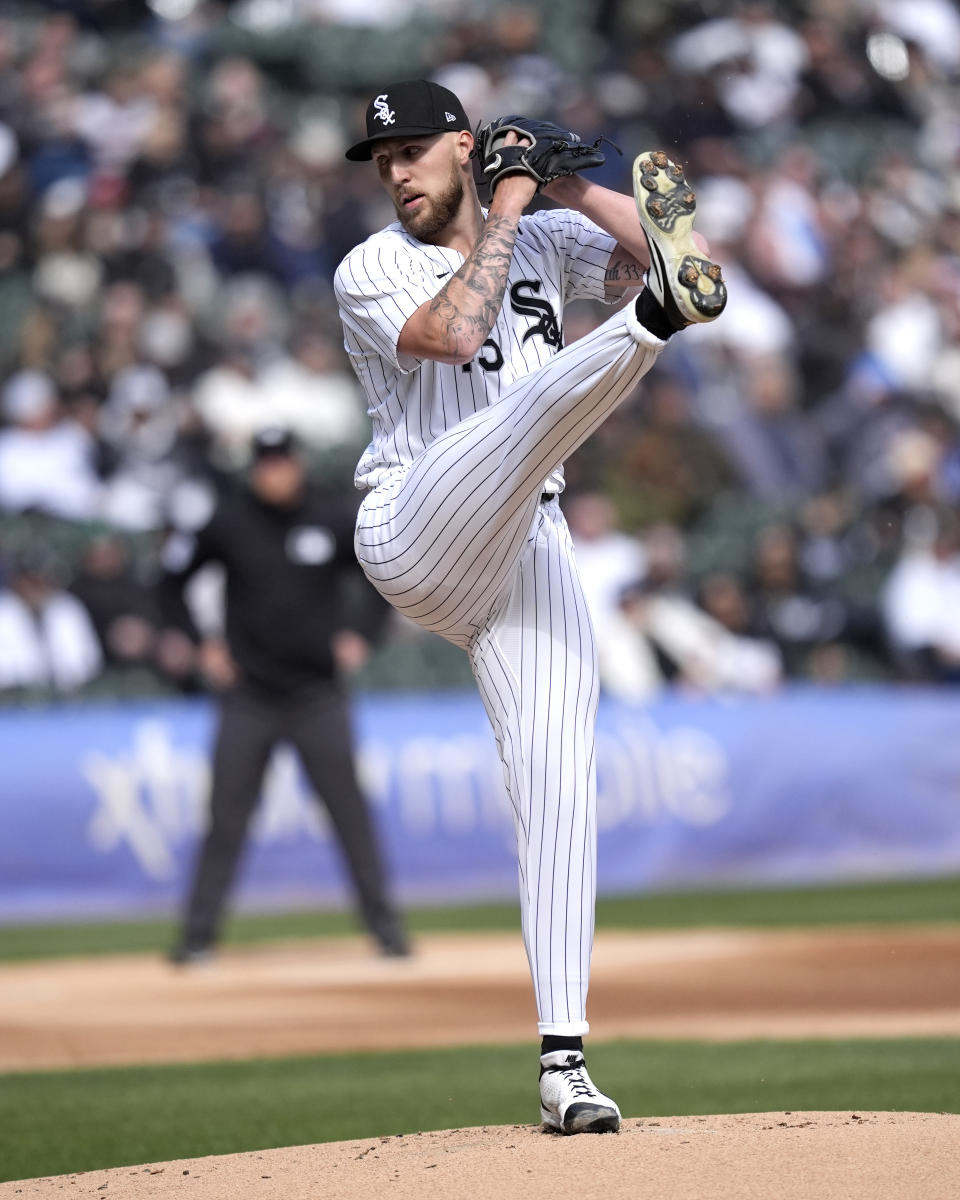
{"x": 778, "y": 502}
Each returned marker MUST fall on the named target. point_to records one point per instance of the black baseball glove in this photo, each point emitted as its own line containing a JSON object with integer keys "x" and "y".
{"x": 550, "y": 153}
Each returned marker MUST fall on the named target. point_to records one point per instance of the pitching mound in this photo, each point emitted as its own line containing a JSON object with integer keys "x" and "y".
{"x": 757, "y": 1156}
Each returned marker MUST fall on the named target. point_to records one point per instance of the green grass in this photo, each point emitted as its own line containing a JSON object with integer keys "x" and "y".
{"x": 912, "y": 901}
{"x": 65, "y": 1121}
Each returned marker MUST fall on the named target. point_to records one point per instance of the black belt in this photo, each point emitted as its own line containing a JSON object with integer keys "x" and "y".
{"x": 546, "y": 497}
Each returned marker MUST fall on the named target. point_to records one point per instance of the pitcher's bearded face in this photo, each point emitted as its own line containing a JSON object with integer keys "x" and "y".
{"x": 435, "y": 212}
{"x": 423, "y": 179}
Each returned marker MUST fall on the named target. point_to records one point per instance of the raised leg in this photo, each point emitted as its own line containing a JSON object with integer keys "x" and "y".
{"x": 441, "y": 540}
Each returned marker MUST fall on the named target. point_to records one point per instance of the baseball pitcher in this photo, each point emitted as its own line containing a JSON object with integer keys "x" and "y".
{"x": 453, "y": 320}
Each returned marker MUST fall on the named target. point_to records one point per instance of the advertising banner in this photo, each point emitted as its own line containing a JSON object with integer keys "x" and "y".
{"x": 101, "y": 806}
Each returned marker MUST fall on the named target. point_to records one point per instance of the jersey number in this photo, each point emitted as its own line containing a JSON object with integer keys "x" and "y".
{"x": 493, "y": 363}
{"x": 526, "y": 305}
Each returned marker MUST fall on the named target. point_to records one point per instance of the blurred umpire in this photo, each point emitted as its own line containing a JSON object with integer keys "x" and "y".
{"x": 287, "y": 552}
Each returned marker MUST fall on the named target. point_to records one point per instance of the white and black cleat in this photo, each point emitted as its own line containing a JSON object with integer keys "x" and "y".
{"x": 687, "y": 286}
{"x": 569, "y": 1102}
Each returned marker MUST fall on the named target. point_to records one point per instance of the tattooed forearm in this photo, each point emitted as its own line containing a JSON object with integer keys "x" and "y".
{"x": 466, "y": 308}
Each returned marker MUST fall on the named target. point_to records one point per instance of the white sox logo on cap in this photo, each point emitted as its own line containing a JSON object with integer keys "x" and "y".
{"x": 411, "y": 108}
{"x": 383, "y": 111}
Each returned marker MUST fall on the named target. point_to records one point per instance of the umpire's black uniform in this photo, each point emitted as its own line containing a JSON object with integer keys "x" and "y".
{"x": 287, "y": 552}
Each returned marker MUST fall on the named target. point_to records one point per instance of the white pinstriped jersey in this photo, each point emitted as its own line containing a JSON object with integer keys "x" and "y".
{"x": 559, "y": 255}
{"x": 456, "y": 536}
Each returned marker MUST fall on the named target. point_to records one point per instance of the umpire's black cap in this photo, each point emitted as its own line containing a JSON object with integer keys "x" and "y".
{"x": 415, "y": 108}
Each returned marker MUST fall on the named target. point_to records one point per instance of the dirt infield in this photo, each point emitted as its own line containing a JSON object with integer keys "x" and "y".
{"x": 765, "y": 1156}
{"x": 334, "y": 995}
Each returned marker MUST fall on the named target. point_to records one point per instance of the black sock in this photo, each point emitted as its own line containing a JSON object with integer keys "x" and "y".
{"x": 551, "y": 1043}
{"x": 651, "y": 316}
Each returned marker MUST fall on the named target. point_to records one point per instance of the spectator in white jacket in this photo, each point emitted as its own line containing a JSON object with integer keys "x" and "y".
{"x": 660, "y": 635}
{"x": 47, "y": 639}
{"x": 46, "y": 460}
{"x": 921, "y": 598}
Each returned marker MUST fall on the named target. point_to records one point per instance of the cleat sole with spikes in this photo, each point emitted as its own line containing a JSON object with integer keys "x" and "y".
{"x": 686, "y": 284}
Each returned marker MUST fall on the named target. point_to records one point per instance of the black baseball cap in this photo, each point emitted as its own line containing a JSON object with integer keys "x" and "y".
{"x": 273, "y": 440}
{"x": 414, "y": 108}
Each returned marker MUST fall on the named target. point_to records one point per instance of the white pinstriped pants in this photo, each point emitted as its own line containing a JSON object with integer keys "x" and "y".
{"x": 460, "y": 542}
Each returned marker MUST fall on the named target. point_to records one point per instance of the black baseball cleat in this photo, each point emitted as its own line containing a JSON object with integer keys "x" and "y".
{"x": 569, "y": 1101}
{"x": 688, "y": 287}
{"x": 391, "y": 939}
{"x": 395, "y": 945}
{"x": 189, "y": 954}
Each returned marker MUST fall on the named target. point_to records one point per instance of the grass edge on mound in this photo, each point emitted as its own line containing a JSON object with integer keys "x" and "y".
{"x": 57, "y": 1122}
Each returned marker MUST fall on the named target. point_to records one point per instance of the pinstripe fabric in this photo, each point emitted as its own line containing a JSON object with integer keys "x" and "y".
{"x": 454, "y": 535}
{"x": 383, "y": 281}
{"x": 536, "y": 669}
{"x": 440, "y": 538}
